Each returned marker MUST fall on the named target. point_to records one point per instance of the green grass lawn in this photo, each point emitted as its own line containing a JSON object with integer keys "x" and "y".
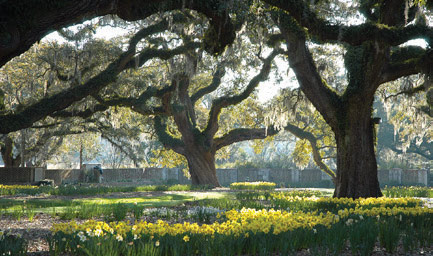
{"x": 167, "y": 199}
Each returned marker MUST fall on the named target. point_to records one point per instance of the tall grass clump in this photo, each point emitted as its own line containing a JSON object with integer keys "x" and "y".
{"x": 413, "y": 191}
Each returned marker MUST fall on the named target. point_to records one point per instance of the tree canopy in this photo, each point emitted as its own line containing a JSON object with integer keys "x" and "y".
{"x": 371, "y": 37}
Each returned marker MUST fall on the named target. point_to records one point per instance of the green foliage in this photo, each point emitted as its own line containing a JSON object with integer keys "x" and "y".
{"x": 394, "y": 192}
{"x": 362, "y": 236}
{"x": 389, "y": 233}
{"x": 119, "y": 211}
{"x": 137, "y": 211}
{"x": 12, "y": 244}
{"x": 363, "y": 231}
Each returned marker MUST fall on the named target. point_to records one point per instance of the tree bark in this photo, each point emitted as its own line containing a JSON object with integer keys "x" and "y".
{"x": 7, "y": 153}
{"x": 201, "y": 165}
{"x": 356, "y": 160}
{"x": 81, "y": 156}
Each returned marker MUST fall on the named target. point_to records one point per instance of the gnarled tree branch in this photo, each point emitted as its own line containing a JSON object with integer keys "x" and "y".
{"x": 166, "y": 139}
{"x": 354, "y": 35}
{"x": 223, "y": 102}
{"x": 326, "y": 101}
{"x": 216, "y": 81}
{"x": 62, "y": 100}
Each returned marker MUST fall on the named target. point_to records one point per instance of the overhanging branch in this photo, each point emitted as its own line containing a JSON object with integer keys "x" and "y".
{"x": 354, "y": 35}
{"x": 62, "y": 100}
{"x": 406, "y": 61}
{"x": 166, "y": 139}
{"x": 324, "y": 99}
{"x": 24, "y": 23}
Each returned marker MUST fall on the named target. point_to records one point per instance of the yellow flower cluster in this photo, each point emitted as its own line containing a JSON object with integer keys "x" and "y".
{"x": 381, "y": 201}
{"x": 385, "y": 211}
{"x": 238, "y": 223}
{"x": 16, "y": 186}
{"x": 253, "y": 185}
{"x": 251, "y": 220}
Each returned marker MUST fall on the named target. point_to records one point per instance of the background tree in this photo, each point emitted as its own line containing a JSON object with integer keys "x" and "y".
{"x": 404, "y": 135}
{"x": 76, "y": 150}
{"x": 292, "y": 112}
{"x": 25, "y": 80}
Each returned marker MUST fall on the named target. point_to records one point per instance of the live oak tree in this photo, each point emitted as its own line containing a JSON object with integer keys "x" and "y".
{"x": 374, "y": 55}
{"x": 147, "y": 39}
{"x": 177, "y": 106}
{"x": 48, "y": 69}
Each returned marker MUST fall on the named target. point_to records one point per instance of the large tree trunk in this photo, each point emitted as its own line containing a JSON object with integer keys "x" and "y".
{"x": 356, "y": 160}
{"x": 201, "y": 166}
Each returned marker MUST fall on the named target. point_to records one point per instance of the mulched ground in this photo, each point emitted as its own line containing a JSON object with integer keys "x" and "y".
{"x": 36, "y": 230}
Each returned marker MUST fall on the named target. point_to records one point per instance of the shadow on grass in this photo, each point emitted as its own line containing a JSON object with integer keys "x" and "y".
{"x": 60, "y": 205}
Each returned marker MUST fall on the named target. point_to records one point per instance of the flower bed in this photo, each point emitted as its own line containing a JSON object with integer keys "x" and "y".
{"x": 250, "y": 231}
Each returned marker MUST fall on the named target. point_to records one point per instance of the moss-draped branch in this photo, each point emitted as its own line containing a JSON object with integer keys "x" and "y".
{"x": 326, "y": 100}
{"x": 166, "y": 139}
{"x": 406, "y": 61}
{"x": 27, "y": 22}
{"x": 64, "y": 99}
